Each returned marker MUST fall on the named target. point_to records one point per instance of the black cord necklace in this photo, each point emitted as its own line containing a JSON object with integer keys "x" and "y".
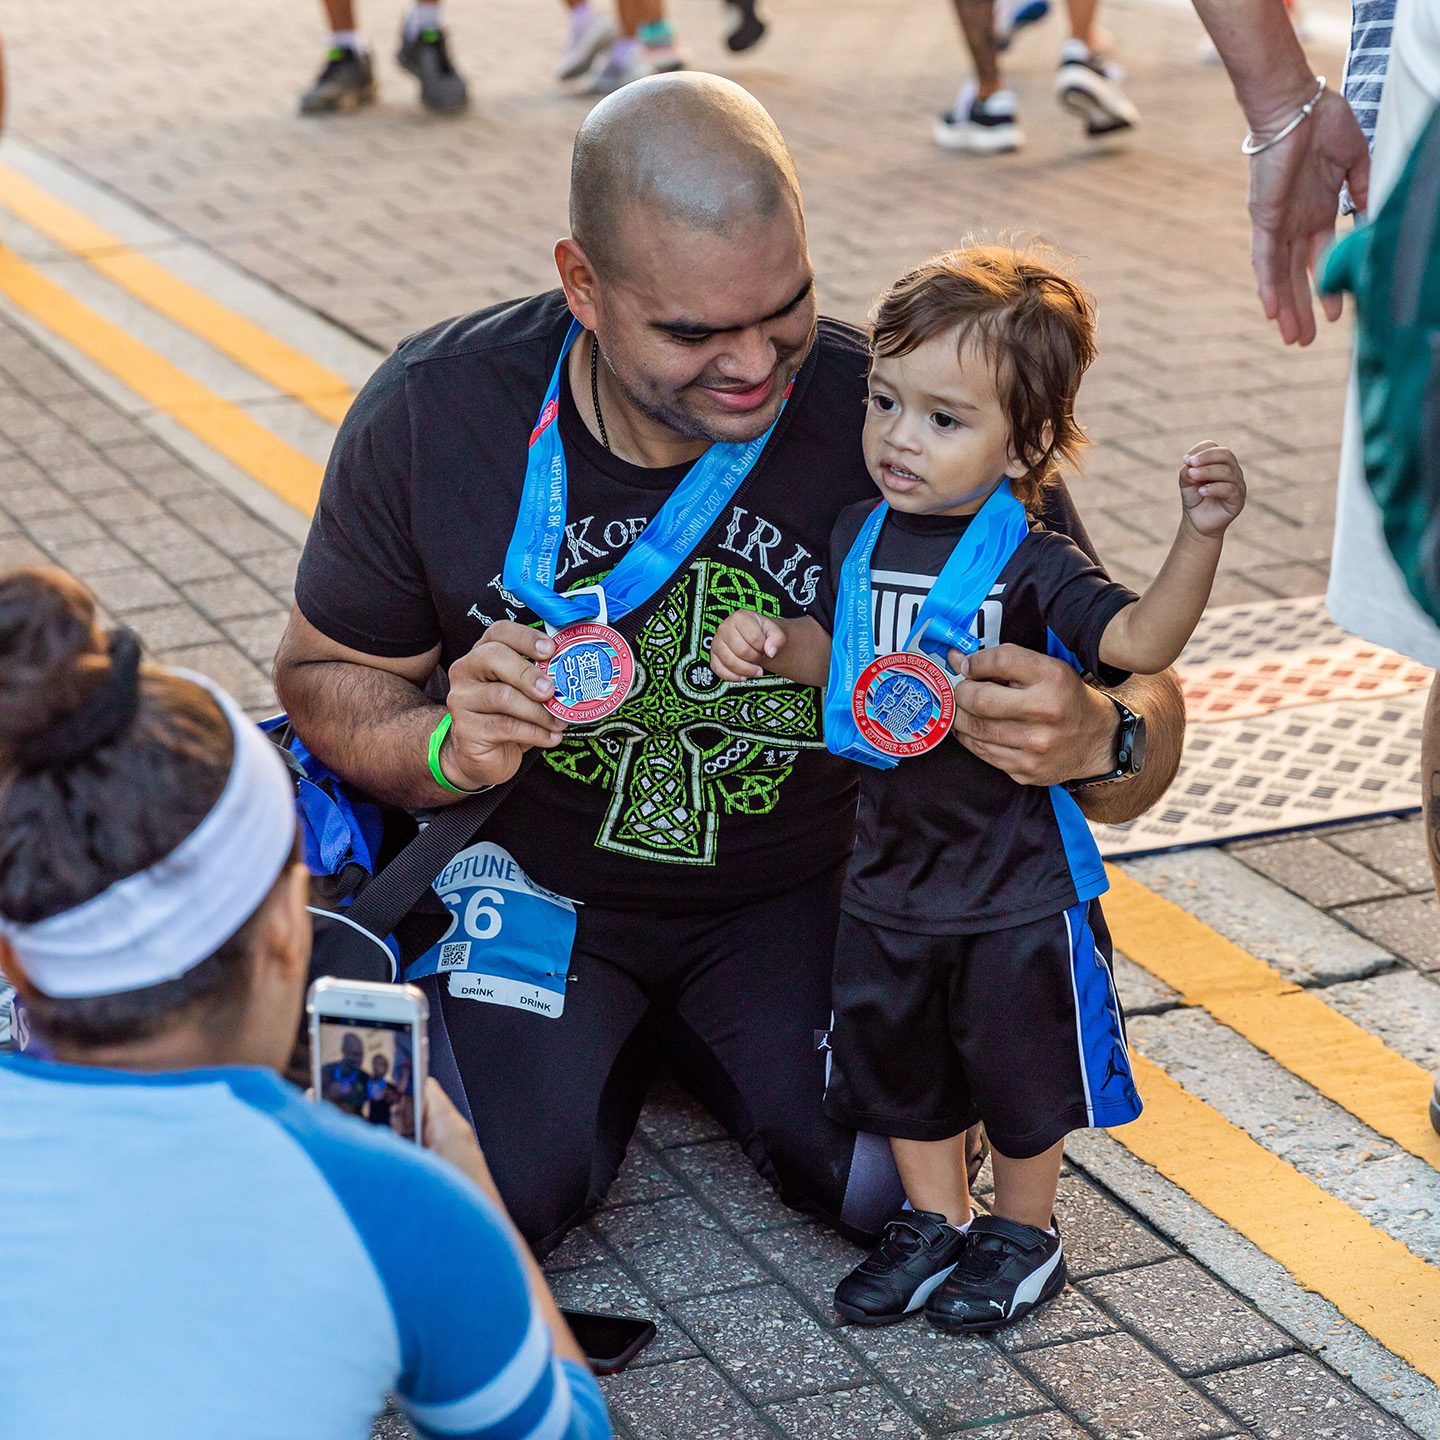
{"x": 595, "y": 389}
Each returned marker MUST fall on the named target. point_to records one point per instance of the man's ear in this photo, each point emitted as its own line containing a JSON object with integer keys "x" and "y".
{"x": 577, "y": 277}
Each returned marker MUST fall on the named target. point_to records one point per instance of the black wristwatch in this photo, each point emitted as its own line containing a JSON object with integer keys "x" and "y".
{"x": 1129, "y": 749}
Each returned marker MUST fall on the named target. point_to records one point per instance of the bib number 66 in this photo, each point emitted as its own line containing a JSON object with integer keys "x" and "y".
{"x": 479, "y": 915}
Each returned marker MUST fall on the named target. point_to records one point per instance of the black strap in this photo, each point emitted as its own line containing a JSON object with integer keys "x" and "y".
{"x": 397, "y": 889}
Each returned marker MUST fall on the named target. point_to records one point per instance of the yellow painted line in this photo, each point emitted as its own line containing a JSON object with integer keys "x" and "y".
{"x": 1326, "y": 1049}
{"x": 1369, "y": 1276}
{"x": 280, "y": 365}
{"x": 225, "y": 427}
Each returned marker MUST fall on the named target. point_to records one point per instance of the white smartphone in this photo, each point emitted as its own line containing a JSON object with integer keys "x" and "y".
{"x": 368, "y": 1051}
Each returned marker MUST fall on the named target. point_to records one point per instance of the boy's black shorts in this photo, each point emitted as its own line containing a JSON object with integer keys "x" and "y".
{"x": 1019, "y": 1028}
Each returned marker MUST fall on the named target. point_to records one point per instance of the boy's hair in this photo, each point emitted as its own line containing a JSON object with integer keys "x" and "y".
{"x": 1037, "y": 325}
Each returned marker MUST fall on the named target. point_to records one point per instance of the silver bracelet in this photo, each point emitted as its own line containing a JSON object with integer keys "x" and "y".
{"x": 1252, "y": 144}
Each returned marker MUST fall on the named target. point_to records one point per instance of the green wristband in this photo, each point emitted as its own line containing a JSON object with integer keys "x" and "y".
{"x": 437, "y": 739}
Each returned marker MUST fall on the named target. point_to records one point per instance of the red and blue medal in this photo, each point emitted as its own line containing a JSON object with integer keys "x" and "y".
{"x": 903, "y": 704}
{"x": 884, "y": 709}
{"x": 593, "y": 668}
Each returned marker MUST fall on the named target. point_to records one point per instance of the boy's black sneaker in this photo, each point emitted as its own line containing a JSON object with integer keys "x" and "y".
{"x": 427, "y": 57}
{"x": 918, "y": 1251}
{"x": 1006, "y": 1270}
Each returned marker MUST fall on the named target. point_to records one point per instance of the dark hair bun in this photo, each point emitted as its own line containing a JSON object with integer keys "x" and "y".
{"x": 53, "y": 653}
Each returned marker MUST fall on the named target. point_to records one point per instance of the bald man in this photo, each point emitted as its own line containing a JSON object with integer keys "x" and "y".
{"x": 703, "y": 825}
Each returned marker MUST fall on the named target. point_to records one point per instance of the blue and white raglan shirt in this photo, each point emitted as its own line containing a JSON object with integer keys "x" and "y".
{"x": 207, "y": 1255}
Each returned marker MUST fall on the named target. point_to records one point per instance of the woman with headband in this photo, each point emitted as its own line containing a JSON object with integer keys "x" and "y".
{"x": 189, "y": 1247}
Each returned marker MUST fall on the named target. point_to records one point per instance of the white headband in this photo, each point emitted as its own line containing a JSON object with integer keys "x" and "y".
{"x": 157, "y": 924}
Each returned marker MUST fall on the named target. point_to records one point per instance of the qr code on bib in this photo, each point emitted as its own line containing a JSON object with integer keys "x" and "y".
{"x": 454, "y": 956}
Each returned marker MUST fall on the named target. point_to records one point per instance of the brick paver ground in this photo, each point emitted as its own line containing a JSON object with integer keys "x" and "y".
{"x": 390, "y": 220}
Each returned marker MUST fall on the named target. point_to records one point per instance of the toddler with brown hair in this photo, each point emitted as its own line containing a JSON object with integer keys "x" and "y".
{"x": 972, "y": 975}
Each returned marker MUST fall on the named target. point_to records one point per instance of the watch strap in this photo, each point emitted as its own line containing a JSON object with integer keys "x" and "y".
{"x": 1124, "y": 749}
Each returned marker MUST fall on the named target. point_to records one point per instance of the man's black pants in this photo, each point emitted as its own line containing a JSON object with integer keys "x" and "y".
{"x": 737, "y": 1004}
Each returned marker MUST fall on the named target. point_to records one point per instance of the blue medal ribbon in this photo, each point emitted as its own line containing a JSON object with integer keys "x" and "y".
{"x": 945, "y": 621}
{"x": 664, "y": 545}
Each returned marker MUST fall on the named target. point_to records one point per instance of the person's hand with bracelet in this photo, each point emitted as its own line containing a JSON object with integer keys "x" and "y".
{"x": 1296, "y": 173}
{"x": 495, "y": 711}
{"x": 1304, "y": 143}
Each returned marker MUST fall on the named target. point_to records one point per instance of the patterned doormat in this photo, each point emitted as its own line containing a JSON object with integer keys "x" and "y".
{"x": 1292, "y": 722}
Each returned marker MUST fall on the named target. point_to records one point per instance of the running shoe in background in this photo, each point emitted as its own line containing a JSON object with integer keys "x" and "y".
{"x": 346, "y": 82}
{"x": 661, "y": 49}
{"x": 1014, "y": 15}
{"x": 1089, "y": 86}
{"x": 427, "y": 57}
{"x": 625, "y": 62}
{"x": 746, "y": 27}
{"x": 591, "y": 33}
{"x": 981, "y": 127}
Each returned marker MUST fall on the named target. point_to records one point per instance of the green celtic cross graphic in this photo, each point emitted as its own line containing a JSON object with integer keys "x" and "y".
{"x": 686, "y": 748}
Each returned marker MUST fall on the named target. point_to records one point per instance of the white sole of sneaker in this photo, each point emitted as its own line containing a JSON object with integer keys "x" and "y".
{"x": 981, "y": 140}
{"x": 1102, "y": 105}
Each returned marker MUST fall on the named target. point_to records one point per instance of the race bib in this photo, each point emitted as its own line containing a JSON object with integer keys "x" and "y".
{"x": 509, "y": 941}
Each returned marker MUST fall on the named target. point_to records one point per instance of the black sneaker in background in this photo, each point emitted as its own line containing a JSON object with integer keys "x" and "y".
{"x": 747, "y": 28}
{"x": 918, "y": 1251}
{"x": 1005, "y": 1271}
{"x": 346, "y": 82}
{"x": 427, "y": 57}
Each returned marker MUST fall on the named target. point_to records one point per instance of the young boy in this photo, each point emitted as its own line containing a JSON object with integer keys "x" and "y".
{"x": 972, "y": 976}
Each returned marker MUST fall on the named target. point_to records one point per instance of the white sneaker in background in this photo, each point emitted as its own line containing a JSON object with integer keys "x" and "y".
{"x": 625, "y": 62}
{"x": 980, "y": 127}
{"x": 1088, "y": 85}
{"x": 590, "y": 33}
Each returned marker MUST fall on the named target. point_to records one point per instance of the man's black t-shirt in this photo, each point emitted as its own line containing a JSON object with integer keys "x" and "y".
{"x": 695, "y": 794}
{"x": 946, "y": 844}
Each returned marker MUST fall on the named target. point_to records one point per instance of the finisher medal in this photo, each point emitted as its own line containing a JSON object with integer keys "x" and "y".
{"x": 592, "y": 666}
{"x": 903, "y": 704}
{"x": 881, "y": 710}
{"x": 592, "y": 669}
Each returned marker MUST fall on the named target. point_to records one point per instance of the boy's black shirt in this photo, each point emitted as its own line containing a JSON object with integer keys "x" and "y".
{"x": 695, "y": 795}
{"x": 946, "y": 844}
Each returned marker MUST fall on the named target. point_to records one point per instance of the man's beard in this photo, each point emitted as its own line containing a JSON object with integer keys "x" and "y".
{"x": 683, "y": 422}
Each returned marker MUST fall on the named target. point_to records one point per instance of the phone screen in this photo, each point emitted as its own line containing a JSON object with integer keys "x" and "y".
{"x": 367, "y": 1068}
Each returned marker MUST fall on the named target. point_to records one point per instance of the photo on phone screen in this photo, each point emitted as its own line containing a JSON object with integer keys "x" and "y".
{"x": 366, "y": 1068}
